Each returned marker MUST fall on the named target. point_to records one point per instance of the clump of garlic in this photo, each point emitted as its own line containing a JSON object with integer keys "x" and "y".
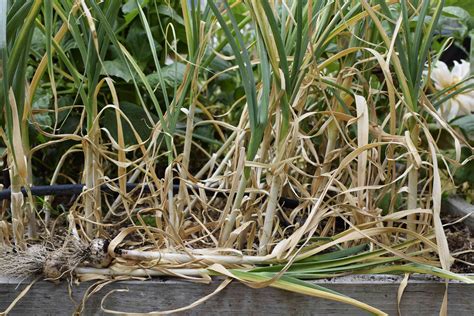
{"x": 53, "y": 264}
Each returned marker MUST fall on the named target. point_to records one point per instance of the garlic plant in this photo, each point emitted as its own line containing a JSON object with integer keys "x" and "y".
{"x": 15, "y": 42}
{"x": 216, "y": 110}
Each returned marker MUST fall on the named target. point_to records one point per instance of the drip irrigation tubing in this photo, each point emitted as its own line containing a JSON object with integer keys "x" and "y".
{"x": 76, "y": 189}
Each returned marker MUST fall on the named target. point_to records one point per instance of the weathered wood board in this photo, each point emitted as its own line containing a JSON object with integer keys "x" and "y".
{"x": 459, "y": 207}
{"x": 423, "y": 296}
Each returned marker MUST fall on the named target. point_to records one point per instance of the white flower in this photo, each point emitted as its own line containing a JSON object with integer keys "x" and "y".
{"x": 463, "y": 102}
{"x": 168, "y": 60}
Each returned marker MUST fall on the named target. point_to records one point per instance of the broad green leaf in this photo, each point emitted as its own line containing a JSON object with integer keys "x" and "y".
{"x": 116, "y": 68}
{"x": 466, "y": 124}
{"x": 467, "y": 5}
{"x": 172, "y": 76}
{"x": 42, "y": 101}
{"x": 130, "y": 9}
{"x": 457, "y": 12}
{"x": 137, "y": 44}
{"x": 170, "y": 12}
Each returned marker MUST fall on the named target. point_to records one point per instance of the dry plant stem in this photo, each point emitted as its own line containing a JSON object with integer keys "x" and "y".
{"x": 16, "y": 206}
{"x": 29, "y": 205}
{"x": 269, "y": 215}
{"x": 172, "y": 214}
{"x": 237, "y": 203}
{"x": 223, "y": 163}
{"x": 362, "y": 140}
{"x": 412, "y": 196}
{"x": 92, "y": 196}
{"x": 275, "y": 187}
{"x": 141, "y": 272}
{"x": 89, "y": 183}
{"x": 117, "y": 201}
{"x": 319, "y": 179}
{"x": 412, "y": 186}
{"x": 18, "y": 171}
{"x": 188, "y": 136}
{"x": 122, "y": 171}
{"x": 275, "y": 190}
{"x": 187, "y": 258}
{"x": 219, "y": 152}
{"x": 186, "y": 153}
{"x": 133, "y": 178}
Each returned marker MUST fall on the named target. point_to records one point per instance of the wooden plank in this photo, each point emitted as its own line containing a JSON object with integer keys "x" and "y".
{"x": 423, "y": 296}
{"x": 459, "y": 207}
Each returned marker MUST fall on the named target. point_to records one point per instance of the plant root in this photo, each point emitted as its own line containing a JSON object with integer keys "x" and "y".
{"x": 53, "y": 264}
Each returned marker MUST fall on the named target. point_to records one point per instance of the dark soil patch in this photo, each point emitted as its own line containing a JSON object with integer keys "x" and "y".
{"x": 460, "y": 240}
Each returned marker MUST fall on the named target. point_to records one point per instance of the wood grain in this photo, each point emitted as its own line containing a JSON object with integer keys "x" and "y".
{"x": 422, "y": 297}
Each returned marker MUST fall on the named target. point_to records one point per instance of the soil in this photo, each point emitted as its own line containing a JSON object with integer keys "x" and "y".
{"x": 460, "y": 239}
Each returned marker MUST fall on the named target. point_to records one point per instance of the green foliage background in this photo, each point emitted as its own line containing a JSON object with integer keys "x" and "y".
{"x": 467, "y": 5}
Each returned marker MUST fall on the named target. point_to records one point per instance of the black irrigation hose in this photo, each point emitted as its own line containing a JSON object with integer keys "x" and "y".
{"x": 63, "y": 189}
{"x": 75, "y": 189}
